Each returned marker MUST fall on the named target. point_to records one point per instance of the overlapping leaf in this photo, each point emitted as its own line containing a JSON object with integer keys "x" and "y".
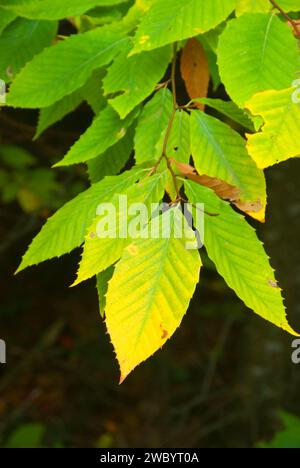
{"x": 219, "y": 151}
{"x": 101, "y": 251}
{"x": 106, "y": 130}
{"x": 20, "y": 41}
{"x": 53, "y": 9}
{"x": 152, "y": 122}
{"x": 239, "y": 256}
{"x": 230, "y": 110}
{"x": 65, "y": 67}
{"x": 173, "y": 20}
{"x": 135, "y": 78}
{"x": 280, "y": 136}
{"x": 66, "y": 229}
{"x": 147, "y": 296}
{"x": 249, "y": 52}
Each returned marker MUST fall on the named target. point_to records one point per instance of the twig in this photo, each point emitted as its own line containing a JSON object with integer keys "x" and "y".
{"x": 287, "y": 17}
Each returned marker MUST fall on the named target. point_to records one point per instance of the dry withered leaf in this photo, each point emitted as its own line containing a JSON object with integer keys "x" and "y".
{"x": 220, "y": 187}
{"x": 195, "y": 70}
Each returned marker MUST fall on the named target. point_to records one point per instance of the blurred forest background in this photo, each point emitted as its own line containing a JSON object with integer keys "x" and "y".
{"x": 226, "y": 379}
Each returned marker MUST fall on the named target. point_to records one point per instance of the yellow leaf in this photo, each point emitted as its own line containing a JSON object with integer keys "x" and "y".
{"x": 279, "y": 139}
{"x": 150, "y": 293}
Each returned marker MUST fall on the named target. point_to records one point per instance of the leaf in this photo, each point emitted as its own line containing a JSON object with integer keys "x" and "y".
{"x": 239, "y": 256}
{"x": 289, "y": 5}
{"x": 103, "y": 279}
{"x": 250, "y": 49}
{"x": 20, "y": 41}
{"x": 218, "y": 151}
{"x": 53, "y": 9}
{"x": 135, "y": 78}
{"x": 57, "y": 111}
{"x": 101, "y": 252}
{"x": 66, "y": 229}
{"x": 221, "y": 188}
{"x": 174, "y": 20}
{"x": 280, "y": 136}
{"x": 6, "y": 17}
{"x": 252, "y": 6}
{"x": 195, "y": 70}
{"x": 149, "y": 294}
{"x": 230, "y": 110}
{"x": 106, "y": 130}
{"x": 68, "y": 64}
{"x": 152, "y": 122}
{"x": 112, "y": 160}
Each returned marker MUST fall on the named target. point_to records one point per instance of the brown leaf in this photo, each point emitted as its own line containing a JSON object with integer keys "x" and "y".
{"x": 195, "y": 70}
{"x": 222, "y": 189}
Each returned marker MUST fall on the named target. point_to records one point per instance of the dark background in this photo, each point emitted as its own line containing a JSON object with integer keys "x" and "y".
{"x": 221, "y": 381}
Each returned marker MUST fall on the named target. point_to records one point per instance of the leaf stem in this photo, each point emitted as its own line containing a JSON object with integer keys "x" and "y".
{"x": 169, "y": 128}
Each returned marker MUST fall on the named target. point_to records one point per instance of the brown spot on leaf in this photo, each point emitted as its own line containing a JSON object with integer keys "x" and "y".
{"x": 274, "y": 284}
{"x": 165, "y": 333}
{"x": 133, "y": 250}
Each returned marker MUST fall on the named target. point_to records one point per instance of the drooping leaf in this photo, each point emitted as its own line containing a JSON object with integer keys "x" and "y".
{"x": 54, "y": 113}
{"x": 106, "y": 130}
{"x": 103, "y": 279}
{"x": 147, "y": 299}
{"x": 66, "y": 229}
{"x": 218, "y": 151}
{"x": 239, "y": 256}
{"x": 134, "y": 78}
{"x": 221, "y": 188}
{"x": 20, "y": 41}
{"x": 250, "y": 49}
{"x": 195, "y": 70}
{"x": 112, "y": 160}
{"x": 6, "y": 17}
{"x": 65, "y": 67}
{"x": 53, "y": 9}
{"x": 99, "y": 252}
{"x": 152, "y": 122}
{"x": 230, "y": 110}
{"x": 174, "y": 20}
{"x": 280, "y": 136}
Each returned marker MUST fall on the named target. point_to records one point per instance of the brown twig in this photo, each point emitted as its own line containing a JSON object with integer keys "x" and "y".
{"x": 169, "y": 129}
{"x": 287, "y": 17}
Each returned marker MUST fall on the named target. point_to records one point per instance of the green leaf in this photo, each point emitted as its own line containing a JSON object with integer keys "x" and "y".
{"x": 135, "y": 78}
{"x": 174, "y": 20}
{"x": 112, "y": 160}
{"x": 106, "y": 130}
{"x": 279, "y": 139}
{"x": 103, "y": 279}
{"x": 53, "y": 9}
{"x": 249, "y": 52}
{"x": 219, "y": 151}
{"x": 252, "y": 6}
{"x": 91, "y": 92}
{"x": 230, "y": 110}
{"x": 152, "y": 122}
{"x": 66, "y": 229}
{"x": 57, "y": 111}
{"x": 289, "y": 5}
{"x": 20, "y": 41}
{"x": 101, "y": 252}
{"x": 65, "y": 67}
{"x": 6, "y": 17}
{"x": 239, "y": 256}
{"x": 147, "y": 296}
